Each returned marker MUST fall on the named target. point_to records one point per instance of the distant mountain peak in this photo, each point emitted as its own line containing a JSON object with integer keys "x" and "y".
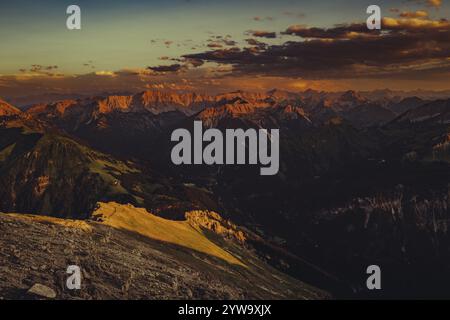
{"x": 8, "y": 110}
{"x": 352, "y": 95}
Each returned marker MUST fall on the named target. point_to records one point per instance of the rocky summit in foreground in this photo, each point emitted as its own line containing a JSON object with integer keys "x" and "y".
{"x": 128, "y": 253}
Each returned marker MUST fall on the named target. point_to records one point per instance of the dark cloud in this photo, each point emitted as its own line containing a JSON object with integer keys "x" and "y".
{"x": 258, "y": 18}
{"x": 338, "y": 32}
{"x": 89, "y": 64}
{"x": 194, "y": 62}
{"x": 254, "y": 42}
{"x": 403, "y": 47}
{"x": 36, "y": 68}
{"x": 229, "y": 42}
{"x": 170, "y": 68}
{"x": 220, "y": 41}
{"x": 414, "y": 22}
{"x": 262, "y": 34}
{"x": 40, "y": 70}
{"x": 409, "y": 23}
{"x": 294, "y": 14}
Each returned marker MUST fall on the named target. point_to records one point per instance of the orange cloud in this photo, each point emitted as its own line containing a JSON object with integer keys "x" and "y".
{"x": 415, "y": 23}
{"x": 416, "y": 14}
{"x": 434, "y": 3}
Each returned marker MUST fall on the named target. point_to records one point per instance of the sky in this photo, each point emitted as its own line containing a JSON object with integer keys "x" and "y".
{"x": 222, "y": 45}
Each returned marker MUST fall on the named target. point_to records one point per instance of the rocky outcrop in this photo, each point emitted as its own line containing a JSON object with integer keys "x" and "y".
{"x": 212, "y": 221}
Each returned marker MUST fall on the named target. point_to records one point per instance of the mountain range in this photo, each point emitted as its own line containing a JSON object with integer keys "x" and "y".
{"x": 364, "y": 177}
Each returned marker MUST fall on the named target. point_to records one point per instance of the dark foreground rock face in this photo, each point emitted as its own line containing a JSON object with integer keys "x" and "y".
{"x": 118, "y": 264}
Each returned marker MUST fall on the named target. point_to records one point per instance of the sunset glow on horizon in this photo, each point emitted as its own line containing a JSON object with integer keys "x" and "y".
{"x": 216, "y": 46}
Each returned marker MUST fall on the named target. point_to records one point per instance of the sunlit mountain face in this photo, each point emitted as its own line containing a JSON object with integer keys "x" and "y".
{"x": 355, "y": 122}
